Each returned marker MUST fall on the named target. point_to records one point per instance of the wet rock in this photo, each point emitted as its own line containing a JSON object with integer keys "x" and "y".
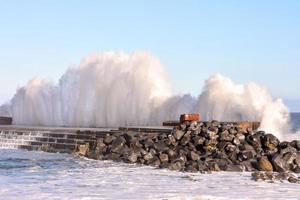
{"x": 164, "y": 158}
{"x": 226, "y": 136}
{"x": 83, "y": 149}
{"x": 178, "y": 134}
{"x": 202, "y": 166}
{"x": 283, "y": 161}
{"x": 154, "y": 162}
{"x": 177, "y": 166}
{"x": 234, "y": 168}
{"x": 194, "y": 156}
{"x": 191, "y": 166}
{"x": 248, "y": 165}
{"x": 198, "y": 140}
{"x": 172, "y": 154}
{"x": 295, "y": 144}
{"x": 293, "y": 179}
{"x": 264, "y": 164}
{"x": 133, "y": 157}
{"x": 270, "y": 142}
{"x": 118, "y": 145}
{"x": 160, "y": 146}
{"x": 108, "y": 139}
{"x": 172, "y": 140}
{"x": 101, "y": 146}
{"x": 148, "y": 143}
{"x": 246, "y": 155}
{"x": 148, "y": 157}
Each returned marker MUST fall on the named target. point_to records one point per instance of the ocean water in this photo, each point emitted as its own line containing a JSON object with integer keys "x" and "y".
{"x": 39, "y": 175}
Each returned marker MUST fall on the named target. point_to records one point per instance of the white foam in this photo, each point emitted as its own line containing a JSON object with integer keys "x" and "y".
{"x": 38, "y": 175}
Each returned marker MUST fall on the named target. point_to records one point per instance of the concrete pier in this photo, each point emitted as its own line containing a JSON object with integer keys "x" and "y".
{"x": 63, "y": 139}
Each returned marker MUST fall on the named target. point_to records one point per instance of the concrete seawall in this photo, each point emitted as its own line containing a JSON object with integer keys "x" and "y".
{"x": 63, "y": 139}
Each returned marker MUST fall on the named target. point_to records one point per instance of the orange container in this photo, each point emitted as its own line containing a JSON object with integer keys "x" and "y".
{"x": 189, "y": 117}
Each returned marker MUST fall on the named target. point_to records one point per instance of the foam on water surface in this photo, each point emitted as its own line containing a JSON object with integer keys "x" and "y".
{"x": 39, "y": 175}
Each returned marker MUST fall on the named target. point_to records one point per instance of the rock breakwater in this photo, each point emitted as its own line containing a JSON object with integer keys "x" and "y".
{"x": 200, "y": 147}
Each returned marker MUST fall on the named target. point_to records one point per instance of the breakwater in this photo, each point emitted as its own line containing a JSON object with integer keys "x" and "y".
{"x": 190, "y": 146}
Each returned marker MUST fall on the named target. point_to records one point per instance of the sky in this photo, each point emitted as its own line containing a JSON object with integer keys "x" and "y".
{"x": 244, "y": 40}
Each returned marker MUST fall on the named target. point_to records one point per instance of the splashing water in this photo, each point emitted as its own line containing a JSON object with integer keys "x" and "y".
{"x": 113, "y": 89}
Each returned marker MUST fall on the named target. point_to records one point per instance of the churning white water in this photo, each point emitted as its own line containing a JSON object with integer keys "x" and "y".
{"x": 113, "y": 89}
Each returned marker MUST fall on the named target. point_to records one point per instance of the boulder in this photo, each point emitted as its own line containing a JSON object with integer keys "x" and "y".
{"x": 133, "y": 157}
{"x": 108, "y": 139}
{"x": 164, "y": 158}
{"x": 118, "y": 145}
{"x": 177, "y": 166}
{"x": 226, "y": 136}
{"x": 263, "y": 164}
{"x": 178, "y": 134}
{"x": 270, "y": 142}
{"x": 194, "y": 156}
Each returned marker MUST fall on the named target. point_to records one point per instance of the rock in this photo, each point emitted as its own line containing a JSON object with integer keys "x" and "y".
{"x": 172, "y": 154}
{"x": 283, "y": 161}
{"x": 234, "y": 168}
{"x": 164, "y": 158}
{"x": 246, "y": 155}
{"x": 172, "y": 140}
{"x": 118, "y": 145}
{"x": 177, "y": 166}
{"x": 178, "y": 134}
{"x": 295, "y": 144}
{"x": 109, "y": 138}
{"x": 101, "y": 146}
{"x": 264, "y": 164}
{"x": 83, "y": 149}
{"x": 149, "y": 156}
{"x": 160, "y": 146}
{"x": 202, "y": 166}
{"x": 185, "y": 139}
{"x": 198, "y": 140}
{"x": 154, "y": 162}
{"x": 213, "y": 166}
{"x": 193, "y": 126}
{"x": 194, "y": 156}
{"x": 292, "y": 179}
{"x": 148, "y": 143}
{"x": 270, "y": 142}
{"x": 226, "y": 136}
{"x": 248, "y": 165}
{"x": 191, "y": 166}
{"x": 133, "y": 157}
{"x": 254, "y": 140}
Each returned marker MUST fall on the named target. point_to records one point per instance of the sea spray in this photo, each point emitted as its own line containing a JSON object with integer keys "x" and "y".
{"x": 114, "y": 89}
{"x": 223, "y": 100}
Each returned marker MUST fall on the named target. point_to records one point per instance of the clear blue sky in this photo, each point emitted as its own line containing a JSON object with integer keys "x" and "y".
{"x": 245, "y": 40}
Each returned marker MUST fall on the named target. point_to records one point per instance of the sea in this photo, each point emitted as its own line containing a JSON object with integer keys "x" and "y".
{"x": 39, "y": 175}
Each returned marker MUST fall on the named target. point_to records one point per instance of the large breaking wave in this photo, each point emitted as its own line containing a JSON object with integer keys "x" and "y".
{"x": 114, "y": 89}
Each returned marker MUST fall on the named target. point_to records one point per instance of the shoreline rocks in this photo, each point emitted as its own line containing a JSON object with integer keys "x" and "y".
{"x": 201, "y": 147}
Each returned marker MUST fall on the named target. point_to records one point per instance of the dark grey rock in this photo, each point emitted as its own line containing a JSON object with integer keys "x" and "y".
{"x": 178, "y": 134}
{"x": 194, "y": 156}
{"x": 270, "y": 142}
{"x": 118, "y": 145}
{"x": 226, "y": 136}
{"x": 109, "y": 138}
{"x": 177, "y": 166}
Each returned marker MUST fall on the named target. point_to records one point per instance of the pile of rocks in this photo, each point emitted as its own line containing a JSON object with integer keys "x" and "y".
{"x": 201, "y": 146}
